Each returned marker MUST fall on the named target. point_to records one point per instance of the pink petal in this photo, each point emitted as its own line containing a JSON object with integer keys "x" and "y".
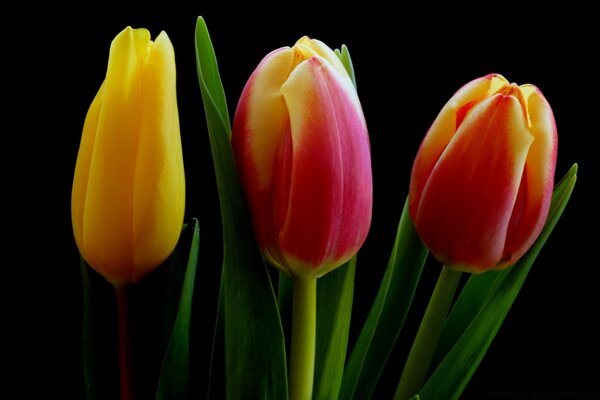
{"x": 328, "y": 211}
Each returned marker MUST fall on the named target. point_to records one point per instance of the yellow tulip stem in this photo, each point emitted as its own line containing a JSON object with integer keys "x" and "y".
{"x": 125, "y": 375}
{"x": 304, "y": 326}
{"x": 427, "y": 337}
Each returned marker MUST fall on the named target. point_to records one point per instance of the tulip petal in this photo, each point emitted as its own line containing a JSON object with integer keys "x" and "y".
{"x": 82, "y": 168}
{"x": 443, "y": 129}
{"x": 329, "y": 204}
{"x": 264, "y": 115}
{"x": 318, "y": 48}
{"x": 491, "y": 145}
{"x": 159, "y": 189}
{"x": 535, "y": 193}
{"x": 260, "y": 119}
{"x": 108, "y": 214}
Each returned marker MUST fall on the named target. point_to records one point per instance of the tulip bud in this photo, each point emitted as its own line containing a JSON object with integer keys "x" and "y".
{"x": 482, "y": 180}
{"x": 128, "y": 194}
{"x": 302, "y": 150}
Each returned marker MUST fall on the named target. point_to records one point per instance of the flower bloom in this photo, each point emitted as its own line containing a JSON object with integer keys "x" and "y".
{"x": 302, "y": 150}
{"x": 128, "y": 193}
{"x": 482, "y": 180}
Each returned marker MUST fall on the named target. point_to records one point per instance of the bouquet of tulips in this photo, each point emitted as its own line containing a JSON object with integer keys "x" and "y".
{"x": 295, "y": 187}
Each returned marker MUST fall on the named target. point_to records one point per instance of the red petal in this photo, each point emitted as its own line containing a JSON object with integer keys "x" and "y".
{"x": 533, "y": 201}
{"x": 467, "y": 202}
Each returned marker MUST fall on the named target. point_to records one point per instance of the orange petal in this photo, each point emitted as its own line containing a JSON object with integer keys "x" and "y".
{"x": 466, "y": 204}
{"x": 443, "y": 129}
{"x": 533, "y": 202}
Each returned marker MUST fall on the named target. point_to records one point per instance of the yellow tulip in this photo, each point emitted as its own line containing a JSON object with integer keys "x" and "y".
{"x": 128, "y": 196}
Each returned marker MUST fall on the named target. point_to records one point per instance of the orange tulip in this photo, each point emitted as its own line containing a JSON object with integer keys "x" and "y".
{"x": 482, "y": 180}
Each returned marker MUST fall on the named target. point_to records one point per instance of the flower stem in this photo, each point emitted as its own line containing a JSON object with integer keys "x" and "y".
{"x": 428, "y": 335}
{"x": 304, "y": 326}
{"x": 124, "y": 351}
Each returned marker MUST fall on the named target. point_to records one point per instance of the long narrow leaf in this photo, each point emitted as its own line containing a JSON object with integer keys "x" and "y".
{"x": 387, "y": 314}
{"x": 284, "y": 302}
{"x": 177, "y": 266}
{"x": 335, "y": 292}
{"x": 254, "y": 344}
{"x": 456, "y": 369}
{"x": 474, "y": 296}
{"x": 217, "y": 350}
{"x": 174, "y": 375}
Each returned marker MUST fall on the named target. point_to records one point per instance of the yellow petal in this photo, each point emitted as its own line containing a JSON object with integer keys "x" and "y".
{"x": 542, "y": 154}
{"x": 266, "y": 113}
{"x": 533, "y": 202}
{"x": 317, "y": 48}
{"x": 108, "y": 214}
{"x": 159, "y": 183}
{"x": 82, "y": 168}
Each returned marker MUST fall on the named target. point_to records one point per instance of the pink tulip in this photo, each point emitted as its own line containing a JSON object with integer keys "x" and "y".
{"x": 302, "y": 151}
{"x": 482, "y": 180}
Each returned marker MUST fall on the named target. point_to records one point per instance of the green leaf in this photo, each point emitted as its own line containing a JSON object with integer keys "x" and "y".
{"x": 285, "y": 290}
{"x": 335, "y": 291}
{"x": 89, "y": 353}
{"x": 255, "y": 362}
{"x": 344, "y": 56}
{"x": 176, "y": 269}
{"x": 217, "y": 345}
{"x": 456, "y": 369}
{"x": 474, "y": 296}
{"x": 387, "y": 314}
{"x": 174, "y": 374}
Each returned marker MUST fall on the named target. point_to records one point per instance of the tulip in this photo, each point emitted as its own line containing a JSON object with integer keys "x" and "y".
{"x": 128, "y": 193}
{"x": 482, "y": 180}
{"x": 302, "y": 150}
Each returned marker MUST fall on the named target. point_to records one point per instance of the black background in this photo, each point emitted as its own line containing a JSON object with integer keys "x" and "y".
{"x": 408, "y": 63}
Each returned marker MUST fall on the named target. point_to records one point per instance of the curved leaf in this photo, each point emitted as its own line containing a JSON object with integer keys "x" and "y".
{"x": 255, "y": 364}
{"x": 387, "y": 315}
{"x": 334, "y": 310}
{"x": 174, "y": 374}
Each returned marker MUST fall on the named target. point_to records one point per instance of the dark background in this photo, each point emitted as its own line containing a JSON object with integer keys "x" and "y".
{"x": 408, "y": 63}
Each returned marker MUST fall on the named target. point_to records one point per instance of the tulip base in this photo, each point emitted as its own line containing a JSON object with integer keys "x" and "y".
{"x": 423, "y": 348}
{"x": 304, "y": 325}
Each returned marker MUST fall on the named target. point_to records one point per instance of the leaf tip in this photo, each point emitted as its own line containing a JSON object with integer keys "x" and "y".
{"x": 574, "y": 169}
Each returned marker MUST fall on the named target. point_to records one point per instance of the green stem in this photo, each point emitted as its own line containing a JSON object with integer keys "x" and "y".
{"x": 304, "y": 324}
{"x": 125, "y": 376}
{"x": 428, "y": 335}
